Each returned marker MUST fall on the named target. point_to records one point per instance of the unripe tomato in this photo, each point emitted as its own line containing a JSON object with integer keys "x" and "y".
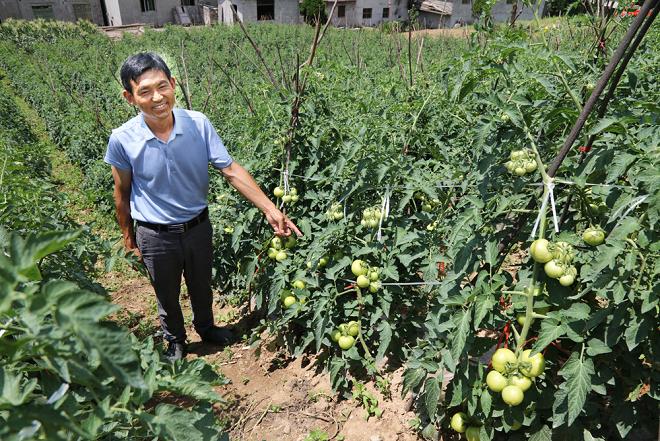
{"x": 346, "y": 342}
{"x": 374, "y": 274}
{"x": 359, "y": 268}
{"x": 516, "y": 155}
{"x": 459, "y": 422}
{"x": 567, "y": 280}
{"x": 343, "y": 328}
{"x": 323, "y": 261}
{"x": 553, "y": 269}
{"x": 293, "y": 191}
{"x": 334, "y": 335}
{"x": 373, "y": 223}
{"x": 290, "y": 242}
{"x": 363, "y": 281}
{"x": 337, "y": 215}
{"x": 284, "y": 294}
{"x": 510, "y": 166}
{"x": 530, "y": 166}
{"x": 276, "y": 242}
{"x": 427, "y": 208}
{"x": 516, "y": 425}
{"x": 537, "y": 363}
{"x": 374, "y": 287}
{"x": 353, "y": 328}
{"x": 473, "y": 434}
{"x": 295, "y": 198}
{"x": 272, "y": 252}
{"x": 501, "y": 357}
{"x": 288, "y": 301}
{"x": 519, "y": 171}
{"x": 540, "y": 252}
{"x": 523, "y": 383}
{"x": 286, "y": 198}
{"x": 299, "y": 284}
{"x": 512, "y": 395}
{"x": 496, "y": 381}
{"x": 593, "y": 236}
{"x": 521, "y": 318}
{"x": 363, "y": 222}
{"x": 281, "y": 256}
{"x": 278, "y": 192}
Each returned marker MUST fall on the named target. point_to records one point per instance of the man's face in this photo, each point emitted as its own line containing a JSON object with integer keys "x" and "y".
{"x": 153, "y": 94}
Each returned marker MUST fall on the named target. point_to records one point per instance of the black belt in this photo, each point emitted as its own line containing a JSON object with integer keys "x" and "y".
{"x": 177, "y": 228}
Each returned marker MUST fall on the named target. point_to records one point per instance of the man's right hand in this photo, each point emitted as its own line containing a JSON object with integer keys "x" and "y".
{"x": 131, "y": 247}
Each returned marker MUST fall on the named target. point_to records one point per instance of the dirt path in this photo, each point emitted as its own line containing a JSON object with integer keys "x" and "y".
{"x": 271, "y": 397}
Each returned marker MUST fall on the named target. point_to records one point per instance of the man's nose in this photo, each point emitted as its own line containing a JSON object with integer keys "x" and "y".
{"x": 156, "y": 96}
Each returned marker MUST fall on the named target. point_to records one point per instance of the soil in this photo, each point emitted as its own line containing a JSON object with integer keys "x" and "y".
{"x": 271, "y": 396}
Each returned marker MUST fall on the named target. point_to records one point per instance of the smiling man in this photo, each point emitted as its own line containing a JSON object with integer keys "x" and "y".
{"x": 160, "y": 165}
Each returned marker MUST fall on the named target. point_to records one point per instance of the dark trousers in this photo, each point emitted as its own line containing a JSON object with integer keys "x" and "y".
{"x": 169, "y": 255}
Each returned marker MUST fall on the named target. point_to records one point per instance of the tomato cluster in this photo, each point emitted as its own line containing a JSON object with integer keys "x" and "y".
{"x": 371, "y": 217}
{"x": 335, "y": 212}
{"x": 345, "y": 335}
{"x": 512, "y": 376}
{"x": 557, "y": 259}
{"x": 428, "y": 205}
{"x": 288, "y": 198}
{"x": 367, "y": 276}
{"x": 278, "y": 248}
{"x": 521, "y": 162}
{"x": 461, "y": 423}
{"x": 287, "y": 296}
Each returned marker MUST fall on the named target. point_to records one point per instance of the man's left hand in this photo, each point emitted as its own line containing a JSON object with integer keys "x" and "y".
{"x": 281, "y": 224}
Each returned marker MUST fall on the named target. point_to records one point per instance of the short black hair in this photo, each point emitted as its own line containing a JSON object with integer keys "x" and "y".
{"x": 137, "y": 64}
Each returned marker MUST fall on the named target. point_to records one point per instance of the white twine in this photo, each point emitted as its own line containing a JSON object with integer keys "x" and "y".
{"x": 634, "y": 204}
{"x": 384, "y": 212}
{"x": 550, "y": 196}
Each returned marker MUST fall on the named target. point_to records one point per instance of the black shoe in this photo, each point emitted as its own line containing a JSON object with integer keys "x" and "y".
{"x": 175, "y": 351}
{"x": 218, "y": 336}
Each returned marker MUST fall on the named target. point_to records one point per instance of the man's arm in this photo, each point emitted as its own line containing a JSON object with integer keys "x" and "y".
{"x": 241, "y": 180}
{"x": 122, "y": 196}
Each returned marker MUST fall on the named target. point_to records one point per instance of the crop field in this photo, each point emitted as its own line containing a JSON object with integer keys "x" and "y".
{"x": 480, "y": 235}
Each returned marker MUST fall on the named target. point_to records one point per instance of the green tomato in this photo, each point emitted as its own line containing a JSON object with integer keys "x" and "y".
{"x": 281, "y": 256}
{"x": 496, "y": 381}
{"x": 343, "y": 328}
{"x": 530, "y": 166}
{"x": 346, "y": 342}
{"x": 521, "y": 318}
{"x": 473, "y": 434}
{"x": 519, "y": 171}
{"x": 363, "y": 281}
{"x": 593, "y": 236}
{"x": 288, "y": 301}
{"x": 501, "y": 357}
{"x": 540, "y": 251}
{"x": 374, "y": 287}
{"x": 459, "y": 422}
{"x": 334, "y": 335}
{"x": 513, "y": 395}
{"x": 523, "y": 383}
{"x": 276, "y": 242}
{"x": 299, "y": 284}
{"x": 359, "y": 268}
{"x": 353, "y": 328}
{"x": 337, "y": 215}
{"x": 373, "y": 223}
{"x": 286, "y": 198}
{"x": 278, "y": 192}
{"x": 427, "y": 208}
{"x": 553, "y": 269}
{"x": 537, "y": 364}
{"x": 567, "y": 280}
{"x": 323, "y": 261}
{"x": 272, "y": 252}
{"x": 284, "y": 294}
{"x": 516, "y": 155}
{"x": 293, "y": 191}
{"x": 290, "y": 242}
{"x": 510, "y": 166}
{"x": 295, "y": 198}
{"x": 374, "y": 274}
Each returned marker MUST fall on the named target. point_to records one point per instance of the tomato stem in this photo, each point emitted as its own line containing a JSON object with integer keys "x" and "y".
{"x": 362, "y": 342}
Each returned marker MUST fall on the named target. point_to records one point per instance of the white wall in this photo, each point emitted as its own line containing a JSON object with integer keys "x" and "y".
{"x": 114, "y": 12}
{"x": 131, "y": 13}
{"x": 501, "y": 12}
{"x": 354, "y": 12}
{"x": 286, "y": 11}
{"x": 62, "y": 9}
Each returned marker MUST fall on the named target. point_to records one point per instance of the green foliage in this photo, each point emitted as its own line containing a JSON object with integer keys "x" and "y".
{"x": 366, "y": 135}
{"x": 313, "y": 10}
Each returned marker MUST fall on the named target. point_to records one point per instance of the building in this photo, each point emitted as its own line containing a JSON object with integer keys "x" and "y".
{"x": 65, "y": 10}
{"x": 156, "y": 12}
{"x": 445, "y": 14}
{"x": 356, "y": 13}
{"x": 279, "y": 11}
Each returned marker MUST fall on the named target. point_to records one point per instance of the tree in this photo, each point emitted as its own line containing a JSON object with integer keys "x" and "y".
{"x": 310, "y": 9}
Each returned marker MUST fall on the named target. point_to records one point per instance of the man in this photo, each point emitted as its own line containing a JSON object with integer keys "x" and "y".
{"x": 160, "y": 168}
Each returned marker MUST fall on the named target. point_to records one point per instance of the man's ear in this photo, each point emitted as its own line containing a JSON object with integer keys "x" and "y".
{"x": 173, "y": 82}
{"x": 128, "y": 96}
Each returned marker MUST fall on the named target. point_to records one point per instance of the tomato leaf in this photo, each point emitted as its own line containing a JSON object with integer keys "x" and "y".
{"x": 578, "y": 373}
{"x": 543, "y": 434}
{"x": 459, "y": 337}
{"x": 431, "y": 395}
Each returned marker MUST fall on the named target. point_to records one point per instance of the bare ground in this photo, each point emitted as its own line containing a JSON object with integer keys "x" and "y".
{"x": 271, "y": 397}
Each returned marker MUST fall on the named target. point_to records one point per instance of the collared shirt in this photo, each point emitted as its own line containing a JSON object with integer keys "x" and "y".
{"x": 170, "y": 180}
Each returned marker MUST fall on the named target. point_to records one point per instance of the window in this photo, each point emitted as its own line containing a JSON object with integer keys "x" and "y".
{"x": 265, "y": 9}
{"x": 187, "y": 2}
{"x": 235, "y": 8}
{"x": 386, "y": 12}
{"x": 341, "y": 11}
{"x": 147, "y": 5}
{"x": 43, "y": 11}
{"x": 82, "y": 11}
{"x": 366, "y": 13}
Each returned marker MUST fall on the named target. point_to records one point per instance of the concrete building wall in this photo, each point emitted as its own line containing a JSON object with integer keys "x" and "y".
{"x": 65, "y": 10}
{"x": 114, "y": 12}
{"x": 286, "y": 11}
{"x": 131, "y": 12}
{"x": 354, "y": 12}
{"x": 501, "y": 12}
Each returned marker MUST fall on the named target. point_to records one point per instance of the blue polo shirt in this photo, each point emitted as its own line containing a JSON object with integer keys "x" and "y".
{"x": 170, "y": 180}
